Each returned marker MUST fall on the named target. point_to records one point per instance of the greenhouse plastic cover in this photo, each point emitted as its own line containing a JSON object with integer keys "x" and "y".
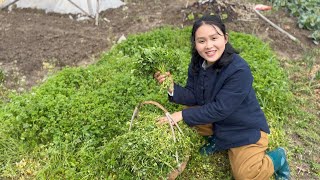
{"x": 64, "y": 6}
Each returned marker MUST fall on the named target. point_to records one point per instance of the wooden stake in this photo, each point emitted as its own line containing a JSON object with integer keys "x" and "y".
{"x": 97, "y": 12}
{"x": 277, "y": 27}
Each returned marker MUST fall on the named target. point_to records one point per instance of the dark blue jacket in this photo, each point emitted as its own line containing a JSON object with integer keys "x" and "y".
{"x": 225, "y": 98}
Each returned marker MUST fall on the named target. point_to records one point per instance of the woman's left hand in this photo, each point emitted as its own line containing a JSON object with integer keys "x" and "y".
{"x": 176, "y": 117}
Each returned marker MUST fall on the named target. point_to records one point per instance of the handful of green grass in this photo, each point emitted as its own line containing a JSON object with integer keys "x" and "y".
{"x": 168, "y": 83}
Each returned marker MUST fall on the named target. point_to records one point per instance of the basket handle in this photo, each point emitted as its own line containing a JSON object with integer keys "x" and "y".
{"x": 168, "y": 115}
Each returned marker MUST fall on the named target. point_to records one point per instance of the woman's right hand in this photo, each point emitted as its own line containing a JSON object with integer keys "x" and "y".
{"x": 162, "y": 77}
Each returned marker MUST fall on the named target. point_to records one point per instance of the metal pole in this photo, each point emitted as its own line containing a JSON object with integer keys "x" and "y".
{"x": 9, "y": 4}
{"x": 97, "y": 12}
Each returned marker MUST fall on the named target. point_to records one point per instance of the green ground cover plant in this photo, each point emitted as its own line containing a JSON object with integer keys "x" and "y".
{"x": 3, "y": 89}
{"x": 75, "y": 125}
{"x": 2, "y": 76}
{"x": 304, "y": 123}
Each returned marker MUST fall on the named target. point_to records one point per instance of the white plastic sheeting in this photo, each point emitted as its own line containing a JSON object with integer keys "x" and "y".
{"x": 65, "y": 7}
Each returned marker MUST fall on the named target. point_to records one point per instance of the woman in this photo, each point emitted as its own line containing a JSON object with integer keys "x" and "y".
{"x": 223, "y": 105}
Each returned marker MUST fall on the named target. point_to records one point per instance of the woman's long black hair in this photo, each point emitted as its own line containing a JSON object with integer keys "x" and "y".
{"x": 229, "y": 50}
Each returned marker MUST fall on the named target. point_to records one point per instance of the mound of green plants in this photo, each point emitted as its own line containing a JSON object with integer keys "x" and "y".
{"x": 75, "y": 125}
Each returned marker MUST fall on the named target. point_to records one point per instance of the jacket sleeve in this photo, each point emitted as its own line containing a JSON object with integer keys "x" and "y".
{"x": 232, "y": 93}
{"x": 185, "y": 95}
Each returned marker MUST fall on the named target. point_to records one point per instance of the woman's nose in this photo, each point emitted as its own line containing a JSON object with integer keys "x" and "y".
{"x": 209, "y": 45}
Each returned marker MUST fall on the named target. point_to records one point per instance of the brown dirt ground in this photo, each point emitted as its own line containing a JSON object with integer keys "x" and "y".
{"x": 33, "y": 43}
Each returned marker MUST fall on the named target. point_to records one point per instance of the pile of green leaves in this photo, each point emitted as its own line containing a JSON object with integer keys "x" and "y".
{"x": 308, "y": 13}
{"x": 148, "y": 150}
{"x": 75, "y": 125}
{"x": 153, "y": 58}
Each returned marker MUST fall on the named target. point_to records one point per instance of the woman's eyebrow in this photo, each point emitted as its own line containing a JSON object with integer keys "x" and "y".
{"x": 202, "y": 37}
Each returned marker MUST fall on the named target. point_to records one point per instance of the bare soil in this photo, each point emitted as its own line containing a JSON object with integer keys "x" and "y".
{"x": 33, "y": 43}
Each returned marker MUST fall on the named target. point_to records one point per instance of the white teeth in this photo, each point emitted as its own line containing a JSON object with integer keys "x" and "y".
{"x": 210, "y": 53}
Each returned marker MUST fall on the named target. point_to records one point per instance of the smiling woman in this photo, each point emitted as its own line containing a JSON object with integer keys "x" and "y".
{"x": 210, "y": 42}
{"x": 220, "y": 95}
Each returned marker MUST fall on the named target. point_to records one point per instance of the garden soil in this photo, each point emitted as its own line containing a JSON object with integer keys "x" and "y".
{"x": 34, "y": 44}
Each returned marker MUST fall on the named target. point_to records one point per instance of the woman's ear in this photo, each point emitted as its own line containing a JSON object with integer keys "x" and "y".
{"x": 226, "y": 37}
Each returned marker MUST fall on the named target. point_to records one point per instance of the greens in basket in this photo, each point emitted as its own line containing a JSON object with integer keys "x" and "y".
{"x": 148, "y": 150}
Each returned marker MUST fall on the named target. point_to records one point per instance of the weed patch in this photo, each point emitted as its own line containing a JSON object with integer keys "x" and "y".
{"x": 75, "y": 125}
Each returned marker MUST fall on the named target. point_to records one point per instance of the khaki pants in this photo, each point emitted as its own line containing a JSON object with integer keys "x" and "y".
{"x": 204, "y": 130}
{"x": 249, "y": 161}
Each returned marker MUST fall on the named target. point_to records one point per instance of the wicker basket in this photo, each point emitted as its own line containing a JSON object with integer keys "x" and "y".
{"x": 176, "y": 172}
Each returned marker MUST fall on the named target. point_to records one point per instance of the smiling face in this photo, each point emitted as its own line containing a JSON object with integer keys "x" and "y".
{"x": 210, "y": 42}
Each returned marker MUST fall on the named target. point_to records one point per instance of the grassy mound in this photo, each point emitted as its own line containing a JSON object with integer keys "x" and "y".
{"x": 75, "y": 125}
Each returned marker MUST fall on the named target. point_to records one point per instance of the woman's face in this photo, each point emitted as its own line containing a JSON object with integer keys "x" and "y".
{"x": 210, "y": 42}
